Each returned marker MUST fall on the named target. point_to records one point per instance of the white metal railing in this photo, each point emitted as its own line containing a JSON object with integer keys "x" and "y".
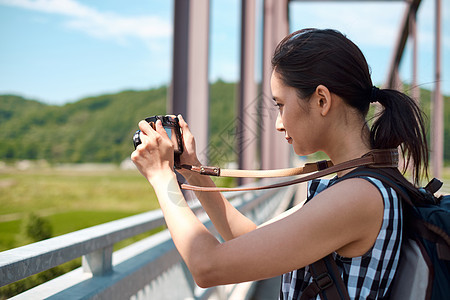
{"x": 150, "y": 268}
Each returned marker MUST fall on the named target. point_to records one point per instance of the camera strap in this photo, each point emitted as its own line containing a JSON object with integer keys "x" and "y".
{"x": 216, "y": 171}
{"x": 378, "y": 158}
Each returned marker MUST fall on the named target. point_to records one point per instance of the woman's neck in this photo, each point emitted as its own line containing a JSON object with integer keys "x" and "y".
{"x": 347, "y": 145}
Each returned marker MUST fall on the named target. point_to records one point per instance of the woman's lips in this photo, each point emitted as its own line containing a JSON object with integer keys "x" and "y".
{"x": 289, "y": 140}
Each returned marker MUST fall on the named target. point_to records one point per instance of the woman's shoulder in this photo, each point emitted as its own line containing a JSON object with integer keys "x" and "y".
{"x": 367, "y": 183}
{"x": 384, "y": 189}
{"x": 352, "y": 196}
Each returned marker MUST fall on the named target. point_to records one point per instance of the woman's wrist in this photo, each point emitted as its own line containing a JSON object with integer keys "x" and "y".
{"x": 195, "y": 178}
{"x": 186, "y": 173}
{"x": 157, "y": 178}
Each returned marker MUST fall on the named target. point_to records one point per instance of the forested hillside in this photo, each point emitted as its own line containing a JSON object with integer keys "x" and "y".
{"x": 95, "y": 129}
{"x": 99, "y": 129}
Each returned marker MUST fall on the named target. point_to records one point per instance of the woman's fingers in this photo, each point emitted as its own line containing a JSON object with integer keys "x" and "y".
{"x": 189, "y": 155}
{"x": 184, "y": 126}
{"x": 160, "y": 129}
{"x": 156, "y": 150}
{"x": 146, "y": 128}
{"x": 188, "y": 138}
{"x": 156, "y": 134}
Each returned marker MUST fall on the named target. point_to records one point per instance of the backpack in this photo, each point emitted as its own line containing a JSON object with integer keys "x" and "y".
{"x": 424, "y": 267}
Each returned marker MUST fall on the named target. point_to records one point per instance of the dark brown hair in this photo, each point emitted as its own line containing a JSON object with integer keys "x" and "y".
{"x": 310, "y": 57}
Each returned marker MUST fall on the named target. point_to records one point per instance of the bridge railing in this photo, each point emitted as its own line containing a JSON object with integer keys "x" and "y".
{"x": 150, "y": 268}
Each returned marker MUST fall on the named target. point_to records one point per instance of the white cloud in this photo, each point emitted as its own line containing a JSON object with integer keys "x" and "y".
{"x": 372, "y": 24}
{"x": 103, "y": 25}
{"x": 66, "y": 7}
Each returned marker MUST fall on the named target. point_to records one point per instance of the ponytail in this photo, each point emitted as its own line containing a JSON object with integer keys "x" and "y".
{"x": 401, "y": 124}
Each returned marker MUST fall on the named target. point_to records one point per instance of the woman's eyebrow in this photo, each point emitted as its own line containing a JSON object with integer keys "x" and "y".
{"x": 274, "y": 99}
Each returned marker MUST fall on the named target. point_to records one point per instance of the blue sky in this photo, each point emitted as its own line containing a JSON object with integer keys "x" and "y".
{"x": 59, "y": 51}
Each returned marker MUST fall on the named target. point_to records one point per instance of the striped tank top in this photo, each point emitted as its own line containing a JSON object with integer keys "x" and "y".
{"x": 368, "y": 276}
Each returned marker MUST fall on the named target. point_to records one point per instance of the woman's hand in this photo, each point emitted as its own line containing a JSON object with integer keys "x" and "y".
{"x": 189, "y": 156}
{"x": 154, "y": 155}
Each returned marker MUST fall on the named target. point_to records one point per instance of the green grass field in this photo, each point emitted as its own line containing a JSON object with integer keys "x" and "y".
{"x": 71, "y": 198}
{"x": 68, "y": 199}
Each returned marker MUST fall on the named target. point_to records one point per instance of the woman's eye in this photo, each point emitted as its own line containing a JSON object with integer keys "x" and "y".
{"x": 279, "y": 105}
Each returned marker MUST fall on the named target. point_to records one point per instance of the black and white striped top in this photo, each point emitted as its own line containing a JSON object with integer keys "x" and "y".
{"x": 370, "y": 275}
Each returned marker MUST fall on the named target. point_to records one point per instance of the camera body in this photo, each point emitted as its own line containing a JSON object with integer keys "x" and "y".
{"x": 172, "y": 127}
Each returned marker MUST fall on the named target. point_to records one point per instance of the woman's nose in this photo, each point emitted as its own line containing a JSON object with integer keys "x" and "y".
{"x": 279, "y": 124}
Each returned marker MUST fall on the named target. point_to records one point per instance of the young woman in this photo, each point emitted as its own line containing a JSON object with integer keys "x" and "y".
{"x": 322, "y": 86}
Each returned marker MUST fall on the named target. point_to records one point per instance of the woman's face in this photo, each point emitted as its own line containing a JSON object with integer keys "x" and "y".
{"x": 297, "y": 122}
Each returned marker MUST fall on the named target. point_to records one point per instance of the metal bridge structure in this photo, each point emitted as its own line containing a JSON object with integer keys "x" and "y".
{"x": 151, "y": 268}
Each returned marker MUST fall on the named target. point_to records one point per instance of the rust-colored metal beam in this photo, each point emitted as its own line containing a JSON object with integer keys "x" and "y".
{"x": 267, "y": 111}
{"x": 392, "y": 78}
{"x": 415, "y": 90}
{"x": 437, "y": 114}
{"x": 282, "y": 150}
{"x": 274, "y": 149}
{"x": 189, "y": 92}
{"x": 246, "y": 135}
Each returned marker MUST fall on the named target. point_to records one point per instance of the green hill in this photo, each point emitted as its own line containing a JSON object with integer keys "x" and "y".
{"x": 95, "y": 129}
{"x": 99, "y": 129}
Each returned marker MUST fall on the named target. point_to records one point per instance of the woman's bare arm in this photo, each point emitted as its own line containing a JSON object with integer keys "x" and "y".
{"x": 336, "y": 220}
{"x": 228, "y": 221}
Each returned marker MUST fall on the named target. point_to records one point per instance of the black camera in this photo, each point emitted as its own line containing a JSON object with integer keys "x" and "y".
{"x": 172, "y": 127}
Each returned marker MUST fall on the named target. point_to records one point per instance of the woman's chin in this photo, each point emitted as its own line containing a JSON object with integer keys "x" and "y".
{"x": 301, "y": 151}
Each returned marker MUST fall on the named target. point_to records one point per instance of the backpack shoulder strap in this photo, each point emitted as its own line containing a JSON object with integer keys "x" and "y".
{"x": 327, "y": 281}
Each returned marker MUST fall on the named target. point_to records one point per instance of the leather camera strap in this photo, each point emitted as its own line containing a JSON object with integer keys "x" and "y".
{"x": 216, "y": 171}
{"x": 379, "y": 158}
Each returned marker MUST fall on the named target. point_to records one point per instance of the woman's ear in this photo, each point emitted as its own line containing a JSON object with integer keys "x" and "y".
{"x": 323, "y": 99}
